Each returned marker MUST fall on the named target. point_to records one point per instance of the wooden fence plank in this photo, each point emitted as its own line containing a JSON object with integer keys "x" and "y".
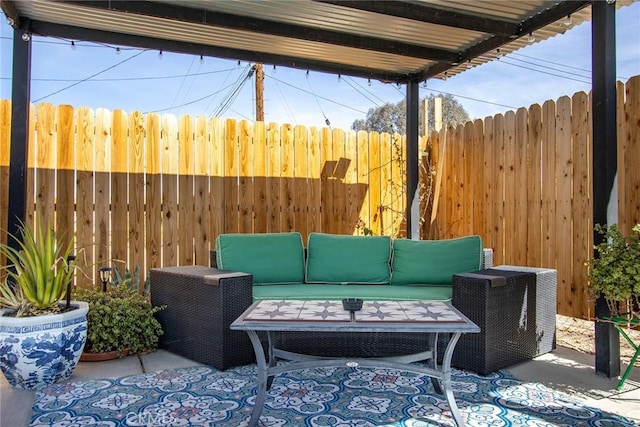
{"x": 102, "y": 190}
{"x": 45, "y": 162}
{"x": 364, "y": 215}
{"x": 287, "y": 191}
{"x": 245, "y": 179}
{"x": 326, "y": 182}
{"x": 201, "y": 230}
{"x": 65, "y": 173}
{"x": 217, "y": 197}
{"x": 510, "y": 189}
{"x": 375, "y": 182}
{"x": 5, "y": 145}
{"x": 186, "y": 199}
{"x": 314, "y": 219}
{"x": 231, "y": 171}
{"x": 477, "y": 179}
{"x": 337, "y": 180}
{"x": 488, "y": 156}
{"x": 466, "y": 184}
{"x": 119, "y": 192}
{"x": 548, "y": 184}
{"x": 353, "y": 206}
{"x": 564, "y": 178}
{"x": 499, "y": 189}
{"x": 85, "y": 228}
{"x": 169, "y": 140}
{"x": 153, "y": 211}
{"x": 136, "y": 189}
{"x": 631, "y": 148}
{"x": 534, "y": 202}
{"x": 301, "y": 180}
{"x": 582, "y": 228}
{"x": 397, "y": 208}
{"x": 273, "y": 178}
{"x": 522, "y": 187}
{"x": 260, "y": 178}
{"x": 386, "y": 193}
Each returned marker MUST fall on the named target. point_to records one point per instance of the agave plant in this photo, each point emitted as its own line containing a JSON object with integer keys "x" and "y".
{"x": 38, "y": 272}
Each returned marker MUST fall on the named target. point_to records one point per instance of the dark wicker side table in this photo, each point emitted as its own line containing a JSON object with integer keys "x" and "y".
{"x": 201, "y": 304}
{"x": 516, "y": 315}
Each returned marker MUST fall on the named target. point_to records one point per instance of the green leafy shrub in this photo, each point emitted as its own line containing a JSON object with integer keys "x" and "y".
{"x": 121, "y": 318}
{"x": 615, "y": 272}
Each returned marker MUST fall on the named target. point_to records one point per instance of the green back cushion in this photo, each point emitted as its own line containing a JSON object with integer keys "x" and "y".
{"x": 270, "y": 257}
{"x": 333, "y": 258}
{"x": 434, "y": 261}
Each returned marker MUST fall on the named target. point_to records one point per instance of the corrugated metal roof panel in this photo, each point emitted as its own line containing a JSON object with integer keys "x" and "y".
{"x": 319, "y": 16}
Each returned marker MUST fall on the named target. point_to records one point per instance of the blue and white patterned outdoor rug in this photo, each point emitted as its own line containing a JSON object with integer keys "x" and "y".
{"x": 331, "y": 397}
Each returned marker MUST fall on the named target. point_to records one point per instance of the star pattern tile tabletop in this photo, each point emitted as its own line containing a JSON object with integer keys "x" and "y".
{"x": 407, "y": 311}
{"x": 372, "y": 311}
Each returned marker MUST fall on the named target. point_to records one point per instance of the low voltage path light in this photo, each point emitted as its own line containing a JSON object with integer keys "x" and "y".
{"x": 105, "y": 272}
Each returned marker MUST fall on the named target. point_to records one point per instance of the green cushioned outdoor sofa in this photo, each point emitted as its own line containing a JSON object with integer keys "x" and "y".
{"x": 333, "y": 266}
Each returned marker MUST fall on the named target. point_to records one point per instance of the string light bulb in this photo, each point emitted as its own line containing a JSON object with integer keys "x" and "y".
{"x": 201, "y": 59}
{"x": 469, "y": 64}
{"x": 160, "y": 54}
{"x": 531, "y": 38}
{"x": 117, "y": 51}
{"x": 369, "y": 82}
{"x": 274, "y": 69}
{"x": 339, "y": 78}
{"x": 567, "y": 21}
{"x": 307, "y": 74}
{"x": 73, "y": 45}
{"x": 498, "y": 54}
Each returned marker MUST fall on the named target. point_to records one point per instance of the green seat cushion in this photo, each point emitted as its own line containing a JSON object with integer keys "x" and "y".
{"x": 434, "y": 261}
{"x": 333, "y": 258}
{"x": 311, "y": 291}
{"x": 269, "y": 257}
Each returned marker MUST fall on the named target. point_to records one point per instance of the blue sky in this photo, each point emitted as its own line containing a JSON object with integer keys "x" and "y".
{"x": 178, "y": 84}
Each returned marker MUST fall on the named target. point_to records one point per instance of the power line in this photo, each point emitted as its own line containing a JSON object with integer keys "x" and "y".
{"x": 190, "y": 102}
{"x": 93, "y": 75}
{"x": 317, "y": 96}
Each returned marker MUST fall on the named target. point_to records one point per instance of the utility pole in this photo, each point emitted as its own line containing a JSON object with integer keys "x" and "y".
{"x": 259, "y": 93}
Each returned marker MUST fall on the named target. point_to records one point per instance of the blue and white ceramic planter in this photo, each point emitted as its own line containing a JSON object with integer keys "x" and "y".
{"x": 38, "y": 351}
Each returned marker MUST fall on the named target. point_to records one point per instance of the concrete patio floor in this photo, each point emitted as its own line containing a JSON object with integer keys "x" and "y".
{"x": 563, "y": 369}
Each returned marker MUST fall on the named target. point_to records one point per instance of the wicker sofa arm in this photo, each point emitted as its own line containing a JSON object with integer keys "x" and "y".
{"x": 201, "y": 304}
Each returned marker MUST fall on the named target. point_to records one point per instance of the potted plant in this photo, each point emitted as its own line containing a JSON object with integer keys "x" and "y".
{"x": 614, "y": 273}
{"x": 120, "y": 320}
{"x": 41, "y": 338}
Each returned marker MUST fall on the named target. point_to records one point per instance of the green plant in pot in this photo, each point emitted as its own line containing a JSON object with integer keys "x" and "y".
{"x": 41, "y": 337}
{"x": 121, "y": 320}
{"x": 614, "y": 273}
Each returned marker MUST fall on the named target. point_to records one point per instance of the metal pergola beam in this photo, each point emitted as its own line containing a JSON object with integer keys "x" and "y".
{"x": 88, "y": 34}
{"x": 20, "y": 106}
{"x": 432, "y": 15}
{"x": 605, "y": 196}
{"x": 263, "y": 26}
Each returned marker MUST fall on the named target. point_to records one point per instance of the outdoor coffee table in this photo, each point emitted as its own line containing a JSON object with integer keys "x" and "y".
{"x": 418, "y": 317}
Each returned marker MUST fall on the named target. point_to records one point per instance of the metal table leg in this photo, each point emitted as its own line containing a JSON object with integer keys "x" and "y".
{"x": 261, "y": 392}
{"x": 446, "y": 379}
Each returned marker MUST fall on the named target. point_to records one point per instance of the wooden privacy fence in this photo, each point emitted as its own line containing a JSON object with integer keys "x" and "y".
{"x": 156, "y": 191}
{"x": 523, "y": 181}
